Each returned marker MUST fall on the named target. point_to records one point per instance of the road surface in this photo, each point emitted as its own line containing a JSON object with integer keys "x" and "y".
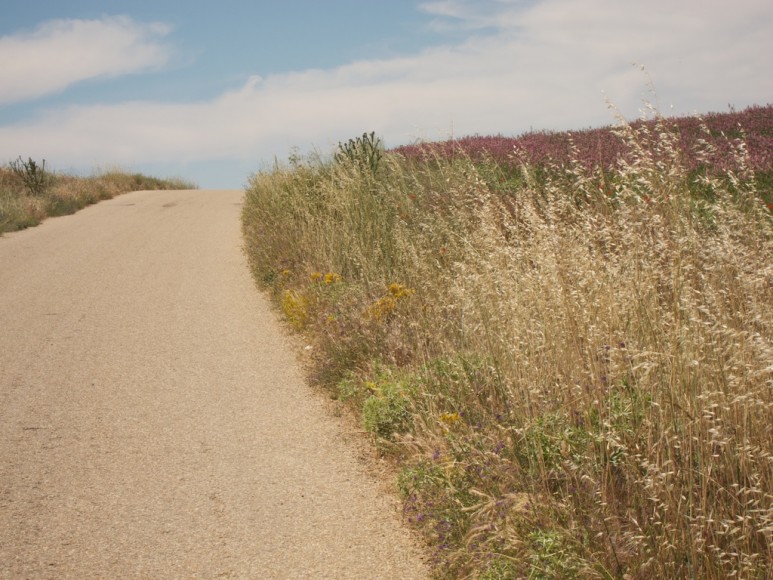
{"x": 154, "y": 422}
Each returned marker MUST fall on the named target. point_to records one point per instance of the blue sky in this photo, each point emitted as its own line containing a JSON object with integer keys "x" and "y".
{"x": 214, "y": 91}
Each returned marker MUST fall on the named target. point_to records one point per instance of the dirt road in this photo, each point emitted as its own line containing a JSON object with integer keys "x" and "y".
{"x": 153, "y": 420}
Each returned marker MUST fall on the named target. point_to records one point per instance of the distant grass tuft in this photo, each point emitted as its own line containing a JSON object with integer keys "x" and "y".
{"x": 29, "y": 193}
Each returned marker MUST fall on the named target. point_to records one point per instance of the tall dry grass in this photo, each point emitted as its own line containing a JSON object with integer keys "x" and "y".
{"x": 64, "y": 194}
{"x": 574, "y": 369}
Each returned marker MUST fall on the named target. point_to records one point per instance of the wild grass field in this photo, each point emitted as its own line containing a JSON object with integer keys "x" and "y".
{"x": 565, "y": 341}
{"x": 29, "y": 193}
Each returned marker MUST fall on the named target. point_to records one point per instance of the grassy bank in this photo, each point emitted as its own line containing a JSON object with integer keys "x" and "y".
{"x": 29, "y": 194}
{"x": 572, "y": 363}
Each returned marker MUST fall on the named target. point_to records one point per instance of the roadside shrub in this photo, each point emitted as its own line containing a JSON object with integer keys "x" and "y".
{"x": 385, "y": 412}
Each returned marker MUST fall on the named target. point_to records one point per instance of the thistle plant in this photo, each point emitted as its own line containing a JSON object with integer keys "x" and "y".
{"x": 32, "y": 174}
{"x": 363, "y": 152}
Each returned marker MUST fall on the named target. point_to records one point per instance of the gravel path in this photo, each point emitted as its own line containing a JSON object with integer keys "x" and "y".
{"x": 154, "y": 422}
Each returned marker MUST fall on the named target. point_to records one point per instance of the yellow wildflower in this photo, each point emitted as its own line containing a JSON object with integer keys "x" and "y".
{"x": 450, "y": 418}
{"x": 315, "y": 276}
{"x": 381, "y": 308}
{"x": 400, "y": 291}
{"x": 296, "y": 308}
{"x": 332, "y": 277}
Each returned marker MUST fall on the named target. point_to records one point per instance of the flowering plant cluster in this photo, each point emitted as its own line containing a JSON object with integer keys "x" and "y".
{"x": 601, "y": 147}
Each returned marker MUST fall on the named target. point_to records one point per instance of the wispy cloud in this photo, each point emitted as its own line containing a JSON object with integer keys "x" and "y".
{"x": 472, "y": 15}
{"x": 545, "y": 66}
{"x": 59, "y": 53}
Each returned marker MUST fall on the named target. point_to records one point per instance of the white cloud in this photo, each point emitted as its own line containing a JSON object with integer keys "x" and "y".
{"x": 471, "y": 15}
{"x": 59, "y": 53}
{"x": 545, "y": 67}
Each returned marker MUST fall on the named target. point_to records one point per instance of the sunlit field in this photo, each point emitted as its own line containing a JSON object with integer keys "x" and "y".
{"x": 563, "y": 340}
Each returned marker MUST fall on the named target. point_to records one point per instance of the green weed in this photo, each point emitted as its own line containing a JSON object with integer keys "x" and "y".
{"x": 363, "y": 152}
